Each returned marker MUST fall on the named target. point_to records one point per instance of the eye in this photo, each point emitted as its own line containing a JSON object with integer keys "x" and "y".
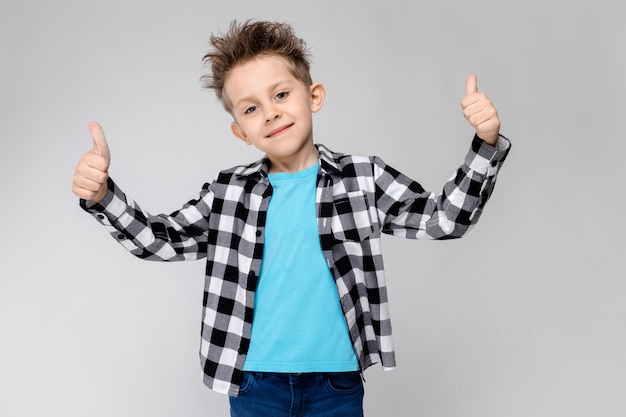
{"x": 250, "y": 110}
{"x": 282, "y": 95}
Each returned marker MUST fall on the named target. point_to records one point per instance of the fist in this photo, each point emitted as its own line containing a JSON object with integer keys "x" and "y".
{"x": 91, "y": 174}
{"x": 480, "y": 112}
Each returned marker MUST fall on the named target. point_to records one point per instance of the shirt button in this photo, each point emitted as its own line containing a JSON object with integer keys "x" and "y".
{"x": 258, "y": 233}
{"x": 100, "y": 216}
{"x": 121, "y": 237}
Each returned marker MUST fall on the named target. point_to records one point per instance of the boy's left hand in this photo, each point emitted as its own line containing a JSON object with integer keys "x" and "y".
{"x": 480, "y": 112}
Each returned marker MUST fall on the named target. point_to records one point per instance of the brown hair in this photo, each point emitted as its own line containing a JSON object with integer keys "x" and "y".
{"x": 249, "y": 40}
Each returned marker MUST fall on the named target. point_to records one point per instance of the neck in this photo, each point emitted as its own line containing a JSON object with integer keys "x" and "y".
{"x": 303, "y": 160}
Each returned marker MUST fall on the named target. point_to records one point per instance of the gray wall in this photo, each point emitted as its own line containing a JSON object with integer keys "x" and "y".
{"x": 526, "y": 316}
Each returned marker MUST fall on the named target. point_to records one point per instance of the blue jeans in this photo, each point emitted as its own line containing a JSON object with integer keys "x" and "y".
{"x": 320, "y": 394}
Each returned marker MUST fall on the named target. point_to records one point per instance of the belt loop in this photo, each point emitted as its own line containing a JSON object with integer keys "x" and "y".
{"x": 319, "y": 377}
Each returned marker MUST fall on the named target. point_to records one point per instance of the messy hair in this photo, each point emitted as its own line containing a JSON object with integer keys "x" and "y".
{"x": 248, "y": 40}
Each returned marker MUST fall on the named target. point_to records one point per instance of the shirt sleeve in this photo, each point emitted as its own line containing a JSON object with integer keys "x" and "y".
{"x": 405, "y": 209}
{"x": 179, "y": 236}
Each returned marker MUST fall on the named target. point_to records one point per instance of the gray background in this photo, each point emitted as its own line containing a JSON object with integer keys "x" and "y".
{"x": 525, "y": 316}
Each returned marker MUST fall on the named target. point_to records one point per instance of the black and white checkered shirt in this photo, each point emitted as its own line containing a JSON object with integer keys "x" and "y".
{"x": 357, "y": 199}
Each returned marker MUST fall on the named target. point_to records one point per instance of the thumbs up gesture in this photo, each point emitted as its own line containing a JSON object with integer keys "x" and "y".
{"x": 480, "y": 112}
{"x": 91, "y": 174}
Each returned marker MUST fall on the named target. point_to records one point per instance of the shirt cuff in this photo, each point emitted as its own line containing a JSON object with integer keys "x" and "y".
{"x": 111, "y": 204}
{"x": 483, "y": 156}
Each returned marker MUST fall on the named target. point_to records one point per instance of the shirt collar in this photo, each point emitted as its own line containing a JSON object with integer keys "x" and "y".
{"x": 260, "y": 167}
{"x": 327, "y": 158}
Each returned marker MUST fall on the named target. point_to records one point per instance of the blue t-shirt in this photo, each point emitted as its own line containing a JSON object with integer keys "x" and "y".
{"x": 298, "y": 323}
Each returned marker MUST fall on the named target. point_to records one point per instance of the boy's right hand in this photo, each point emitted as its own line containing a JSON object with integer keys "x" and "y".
{"x": 91, "y": 174}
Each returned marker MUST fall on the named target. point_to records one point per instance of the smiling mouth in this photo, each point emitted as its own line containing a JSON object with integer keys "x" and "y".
{"x": 280, "y": 130}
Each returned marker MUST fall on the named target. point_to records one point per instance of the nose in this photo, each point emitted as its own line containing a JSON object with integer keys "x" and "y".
{"x": 272, "y": 113}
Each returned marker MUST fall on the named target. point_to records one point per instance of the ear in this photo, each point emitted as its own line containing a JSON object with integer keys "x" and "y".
{"x": 239, "y": 133}
{"x": 318, "y": 92}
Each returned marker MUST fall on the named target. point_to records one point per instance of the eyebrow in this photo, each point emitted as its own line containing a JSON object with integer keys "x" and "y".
{"x": 272, "y": 87}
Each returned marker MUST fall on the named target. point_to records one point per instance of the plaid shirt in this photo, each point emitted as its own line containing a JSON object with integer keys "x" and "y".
{"x": 357, "y": 199}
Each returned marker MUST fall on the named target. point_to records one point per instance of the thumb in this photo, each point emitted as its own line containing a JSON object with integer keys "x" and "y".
{"x": 100, "y": 145}
{"x": 471, "y": 84}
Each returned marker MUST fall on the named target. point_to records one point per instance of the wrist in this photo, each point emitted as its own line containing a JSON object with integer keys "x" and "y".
{"x": 491, "y": 140}
{"x": 98, "y": 197}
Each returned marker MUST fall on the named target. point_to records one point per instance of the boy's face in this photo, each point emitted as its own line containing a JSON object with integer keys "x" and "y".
{"x": 272, "y": 110}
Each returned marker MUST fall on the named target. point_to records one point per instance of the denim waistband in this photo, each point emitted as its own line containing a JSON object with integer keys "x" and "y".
{"x": 295, "y": 377}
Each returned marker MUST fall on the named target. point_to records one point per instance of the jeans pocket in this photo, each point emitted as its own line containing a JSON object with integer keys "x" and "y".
{"x": 246, "y": 383}
{"x": 344, "y": 382}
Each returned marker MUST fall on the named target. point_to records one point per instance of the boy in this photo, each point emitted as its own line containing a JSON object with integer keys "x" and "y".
{"x": 295, "y": 302}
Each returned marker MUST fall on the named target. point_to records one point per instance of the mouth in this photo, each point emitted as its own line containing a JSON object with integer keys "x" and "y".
{"x": 279, "y": 130}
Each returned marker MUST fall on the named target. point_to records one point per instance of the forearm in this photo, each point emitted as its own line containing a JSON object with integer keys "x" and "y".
{"x": 151, "y": 237}
{"x": 407, "y": 210}
{"x": 464, "y": 196}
